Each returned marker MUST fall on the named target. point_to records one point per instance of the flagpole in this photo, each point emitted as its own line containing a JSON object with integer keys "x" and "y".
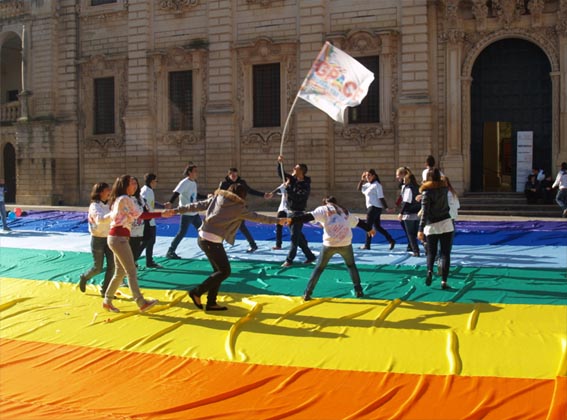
{"x": 283, "y": 134}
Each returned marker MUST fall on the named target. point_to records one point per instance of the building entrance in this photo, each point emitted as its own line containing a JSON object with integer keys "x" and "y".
{"x": 510, "y": 92}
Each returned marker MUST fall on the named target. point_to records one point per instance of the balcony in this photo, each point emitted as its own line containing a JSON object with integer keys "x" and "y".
{"x": 9, "y": 112}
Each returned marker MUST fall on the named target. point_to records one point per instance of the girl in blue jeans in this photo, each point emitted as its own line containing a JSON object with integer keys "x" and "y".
{"x": 337, "y": 239}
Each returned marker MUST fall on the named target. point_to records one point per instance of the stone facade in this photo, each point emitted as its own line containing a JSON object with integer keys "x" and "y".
{"x": 426, "y": 51}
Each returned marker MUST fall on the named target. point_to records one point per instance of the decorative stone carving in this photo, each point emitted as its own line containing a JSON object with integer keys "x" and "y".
{"x": 363, "y": 42}
{"x": 451, "y": 8}
{"x": 361, "y": 135}
{"x": 177, "y": 6}
{"x": 261, "y": 2}
{"x": 179, "y": 138}
{"x": 535, "y": 7}
{"x": 507, "y": 11}
{"x": 264, "y": 138}
{"x": 103, "y": 144}
{"x": 561, "y": 26}
{"x": 480, "y": 13}
{"x": 11, "y": 8}
{"x": 453, "y": 36}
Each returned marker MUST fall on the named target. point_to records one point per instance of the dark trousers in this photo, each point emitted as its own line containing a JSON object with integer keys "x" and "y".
{"x": 186, "y": 220}
{"x": 216, "y": 254}
{"x": 373, "y": 219}
{"x": 136, "y": 246}
{"x": 247, "y": 234}
{"x": 100, "y": 251}
{"x": 148, "y": 243}
{"x": 298, "y": 240}
{"x": 279, "y": 229}
{"x": 412, "y": 226}
{"x": 326, "y": 253}
{"x": 445, "y": 240}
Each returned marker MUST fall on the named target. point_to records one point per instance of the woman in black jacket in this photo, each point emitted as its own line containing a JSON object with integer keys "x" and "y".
{"x": 436, "y": 224}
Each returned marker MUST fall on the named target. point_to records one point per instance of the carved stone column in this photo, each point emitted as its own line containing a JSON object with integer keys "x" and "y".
{"x": 452, "y": 160}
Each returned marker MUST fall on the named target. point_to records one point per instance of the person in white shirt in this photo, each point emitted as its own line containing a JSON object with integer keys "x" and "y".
{"x": 147, "y": 192}
{"x": 429, "y": 166}
{"x": 186, "y": 190}
{"x": 99, "y": 224}
{"x": 370, "y": 186}
{"x": 282, "y": 212}
{"x": 337, "y": 239}
{"x": 561, "y": 183}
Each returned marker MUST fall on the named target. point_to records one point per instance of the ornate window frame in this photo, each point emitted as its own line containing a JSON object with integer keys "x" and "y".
{"x": 265, "y": 51}
{"x": 96, "y": 67}
{"x": 101, "y": 11}
{"x": 362, "y": 43}
{"x": 179, "y": 59}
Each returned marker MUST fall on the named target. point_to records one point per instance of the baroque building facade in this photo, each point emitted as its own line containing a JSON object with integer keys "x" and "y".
{"x": 91, "y": 89}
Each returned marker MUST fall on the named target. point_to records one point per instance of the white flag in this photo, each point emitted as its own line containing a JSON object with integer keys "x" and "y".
{"x": 335, "y": 81}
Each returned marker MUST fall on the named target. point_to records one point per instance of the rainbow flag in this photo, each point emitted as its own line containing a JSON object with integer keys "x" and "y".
{"x": 493, "y": 346}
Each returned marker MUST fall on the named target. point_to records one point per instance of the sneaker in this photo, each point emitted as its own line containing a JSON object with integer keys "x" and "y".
{"x": 359, "y": 294}
{"x": 444, "y": 285}
{"x": 392, "y": 244}
{"x": 275, "y": 248}
{"x": 83, "y": 284}
{"x": 306, "y": 298}
{"x": 564, "y": 213}
{"x": 7, "y": 229}
{"x": 309, "y": 260}
{"x": 172, "y": 255}
{"x": 154, "y": 265}
{"x": 252, "y": 248}
{"x": 286, "y": 264}
{"x": 364, "y": 247}
{"x": 110, "y": 307}
{"x": 147, "y": 304}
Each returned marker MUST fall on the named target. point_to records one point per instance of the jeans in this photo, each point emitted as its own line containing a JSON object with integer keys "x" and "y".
{"x": 186, "y": 220}
{"x": 279, "y": 229}
{"x": 298, "y": 240}
{"x": 216, "y": 254}
{"x": 247, "y": 234}
{"x": 125, "y": 266}
{"x": 326, "y": 253}
{"x": 412, "y": 226}
{"x": 446, "y": 242}
{"x": 373, "y": 220}
{"x": 3, "y": 215}
{"x": 561, "y": 198}
{"x": 100, "y": 251}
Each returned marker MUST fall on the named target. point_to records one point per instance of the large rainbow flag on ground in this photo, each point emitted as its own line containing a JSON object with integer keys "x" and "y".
{"x": 492, "y": 347}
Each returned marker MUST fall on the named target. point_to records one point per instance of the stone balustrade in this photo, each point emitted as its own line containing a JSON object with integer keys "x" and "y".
{"x": 10, "y": 112}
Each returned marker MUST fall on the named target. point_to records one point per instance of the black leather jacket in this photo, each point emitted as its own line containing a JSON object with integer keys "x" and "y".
{"x": 434, "y": 203}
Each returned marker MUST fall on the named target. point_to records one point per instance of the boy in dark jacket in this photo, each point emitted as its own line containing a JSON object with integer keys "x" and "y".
{"x": 298, "y": 188}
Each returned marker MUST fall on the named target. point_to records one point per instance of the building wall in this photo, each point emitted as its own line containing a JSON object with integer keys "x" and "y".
{"x": 423, "y": 47}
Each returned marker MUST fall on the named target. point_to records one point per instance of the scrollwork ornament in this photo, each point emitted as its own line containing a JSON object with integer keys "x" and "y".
{"x": 103, "y": 144}
{"x": 177, "y": 6}
{"x": 561, "y": 26}
{"x": 264, "y": 138}
{"x": 179, "y": 139}
{"x": 363, "y": 135}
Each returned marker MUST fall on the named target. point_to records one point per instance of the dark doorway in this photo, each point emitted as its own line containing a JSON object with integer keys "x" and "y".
{"x": 10, "y": 173}
{"x": 511, "y": 83}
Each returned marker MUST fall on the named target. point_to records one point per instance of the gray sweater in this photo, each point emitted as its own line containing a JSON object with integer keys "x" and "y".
{"x": 225, "y": 213}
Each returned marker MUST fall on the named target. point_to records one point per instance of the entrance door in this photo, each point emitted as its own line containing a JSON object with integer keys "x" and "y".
{"x": 10, "y": 173}
{"x": 511, "y": 83}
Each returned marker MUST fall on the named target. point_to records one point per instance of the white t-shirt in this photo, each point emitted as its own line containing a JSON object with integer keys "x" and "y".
{"x": 99, "y": 219}
{"x": 560, "y": 180}
{"x": 283, "y": 203}
{"x": 137, "y": 229}
{"x": 454, "y": 205}
{"x": 187, "y": 190}
{"x": 337, "y": 228}
{"x": 424, "y": 175}
{"x": 148, "y": 194}
{"x": 373, "y": 193}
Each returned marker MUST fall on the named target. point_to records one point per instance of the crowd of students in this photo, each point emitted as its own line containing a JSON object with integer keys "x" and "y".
{"x": 122, "y": 226}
